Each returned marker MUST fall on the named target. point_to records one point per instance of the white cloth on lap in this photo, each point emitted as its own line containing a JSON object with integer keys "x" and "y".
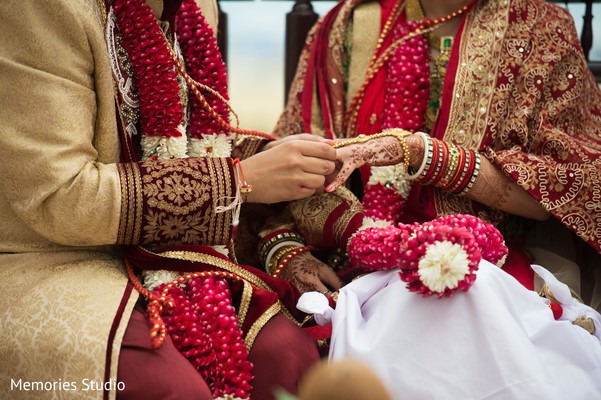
{"x": 496, "y": 341}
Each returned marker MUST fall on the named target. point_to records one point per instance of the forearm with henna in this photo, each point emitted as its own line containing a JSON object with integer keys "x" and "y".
{"x": 492, "y": 188}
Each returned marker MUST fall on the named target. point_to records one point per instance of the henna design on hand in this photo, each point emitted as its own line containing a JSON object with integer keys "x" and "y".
{"x": 492, "y": 187}
{"x": 303, "y": 272}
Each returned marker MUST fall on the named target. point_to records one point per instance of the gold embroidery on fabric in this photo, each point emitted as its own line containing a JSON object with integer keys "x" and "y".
{"x": 247, "y": 292}
{"x": 138, "y": 204}
{"x": 216, "y": 223}
{"x": 121, "y": 235}
{"x": 131, "y": 204}
{"x": 364, "y": 39}
{"x": 449, "y": 203}
{"x": 216, "y": 262}
{"x": 354, "y": 207}
{"x": 102, "y": 12}
{"x": 226, "y": 266}
{"x": 480, "y": 52}
{"x": 254, "y": 330}
{"x": 586, "y": 323}
{"x": 177, "y": 194}
{"x": 312, "y": 213}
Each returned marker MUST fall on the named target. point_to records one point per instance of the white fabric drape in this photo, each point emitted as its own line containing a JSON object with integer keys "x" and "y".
{"x": 496, "y": 341}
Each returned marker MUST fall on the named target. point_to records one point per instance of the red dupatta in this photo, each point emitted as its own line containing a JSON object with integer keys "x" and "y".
{"x": 536, "y": 117}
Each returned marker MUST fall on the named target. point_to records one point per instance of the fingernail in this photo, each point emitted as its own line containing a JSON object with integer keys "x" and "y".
{"x": 330, "y": 188}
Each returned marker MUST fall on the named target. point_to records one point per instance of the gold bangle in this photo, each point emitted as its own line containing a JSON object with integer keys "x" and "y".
{"x": 275, "y": 259}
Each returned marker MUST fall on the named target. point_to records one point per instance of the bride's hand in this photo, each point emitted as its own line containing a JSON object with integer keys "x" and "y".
{"x": 308, "y": 274}
{"x": 376, "y": 152}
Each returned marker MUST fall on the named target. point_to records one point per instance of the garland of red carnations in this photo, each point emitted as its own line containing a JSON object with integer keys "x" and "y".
{"x": 156, "y": 74}
{"x": 404, "y": 246}
{"x": 205, "y": 65}
{"x": 197, "y": 312}
{"x": 200, "y": 318}
{"x": 407, "y": 97}
{"x": 204, "y": 328}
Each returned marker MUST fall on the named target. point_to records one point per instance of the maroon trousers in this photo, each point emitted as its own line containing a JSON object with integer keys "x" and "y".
{"x": 282, "y": 352}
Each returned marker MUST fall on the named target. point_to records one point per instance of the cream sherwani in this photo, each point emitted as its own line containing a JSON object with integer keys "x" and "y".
{"x": 62, "y": 279}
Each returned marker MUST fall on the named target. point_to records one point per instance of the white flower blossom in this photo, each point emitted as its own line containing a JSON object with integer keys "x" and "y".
{"x": 210, "y": 146}
{"x": 394, "y": 175}
{"x": 374, "y": 223}
{"x": 221, "y": 249}
{"x": 152, "y": 279}
{"x": 164, "y": 148}
{"x": 443, "y": 266}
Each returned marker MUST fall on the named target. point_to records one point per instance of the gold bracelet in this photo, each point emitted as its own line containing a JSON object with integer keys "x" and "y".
{"x": 400, "y": 134}
{"x": 275, "y": 259}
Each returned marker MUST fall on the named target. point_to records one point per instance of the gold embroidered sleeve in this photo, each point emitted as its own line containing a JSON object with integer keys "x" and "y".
{"x": 175, "y": 201}
{"x": 327, "y": 220}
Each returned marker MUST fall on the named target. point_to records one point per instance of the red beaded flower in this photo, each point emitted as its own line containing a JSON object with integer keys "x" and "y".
{"x": 435, "y": 258}
{"x": 407, "y": 96}
{"x": 203, "y": 326}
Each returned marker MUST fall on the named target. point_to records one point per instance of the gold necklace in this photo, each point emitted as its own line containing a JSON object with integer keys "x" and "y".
{"x": 377, "y": 61}
{"x": 440, "y": 60}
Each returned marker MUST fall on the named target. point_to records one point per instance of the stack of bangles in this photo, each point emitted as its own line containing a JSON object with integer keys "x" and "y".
{"x": 283, "y": 260}
{"x": 447, "y": 166}
{"x": 275, "y": 245}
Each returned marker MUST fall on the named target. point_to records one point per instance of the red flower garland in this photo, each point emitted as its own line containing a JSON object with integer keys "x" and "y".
{"x": 156, "y": 78}
{"x": 407, "y": 96}
{"x": 404, "y": 246}
{"x": 161, "y": 111}
{"x": 408, "y": 80}
{"x": 383, "y": 203}
{"x": 203, "y": 326}
{"x": 205, "y": 65}
{"x": 200, "y": 318}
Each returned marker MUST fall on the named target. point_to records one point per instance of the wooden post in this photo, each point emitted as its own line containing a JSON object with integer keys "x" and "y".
{"x": 298, "y": 23}
{"x": 586, "y": 38}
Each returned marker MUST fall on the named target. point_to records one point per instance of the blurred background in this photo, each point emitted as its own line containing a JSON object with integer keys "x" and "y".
{"x": 255, "y": 55}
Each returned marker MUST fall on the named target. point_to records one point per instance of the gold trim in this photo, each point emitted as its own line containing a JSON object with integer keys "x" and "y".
{"x": 254, "y": 330}
{"x": 102, "y": 10}
{"x": 400, "y": 134}
{"x": 585, "y": 323}
{"x": 216, "y": 262}
{"x": 247, "y": 293}
{"x": 479, "y": 54}
{"x": 124, "y": 204}
{"x": 131, "y": 204}
{"x": 227, "y": 266}
{"x": 137, "y": 204}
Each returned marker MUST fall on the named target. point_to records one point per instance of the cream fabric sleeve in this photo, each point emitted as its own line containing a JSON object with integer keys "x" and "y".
{"x": 52, "y": 180}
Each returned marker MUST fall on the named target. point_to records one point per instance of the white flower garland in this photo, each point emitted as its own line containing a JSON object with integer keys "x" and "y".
{"x": 443, "y": 266}
{"x": 391, "y": 175}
